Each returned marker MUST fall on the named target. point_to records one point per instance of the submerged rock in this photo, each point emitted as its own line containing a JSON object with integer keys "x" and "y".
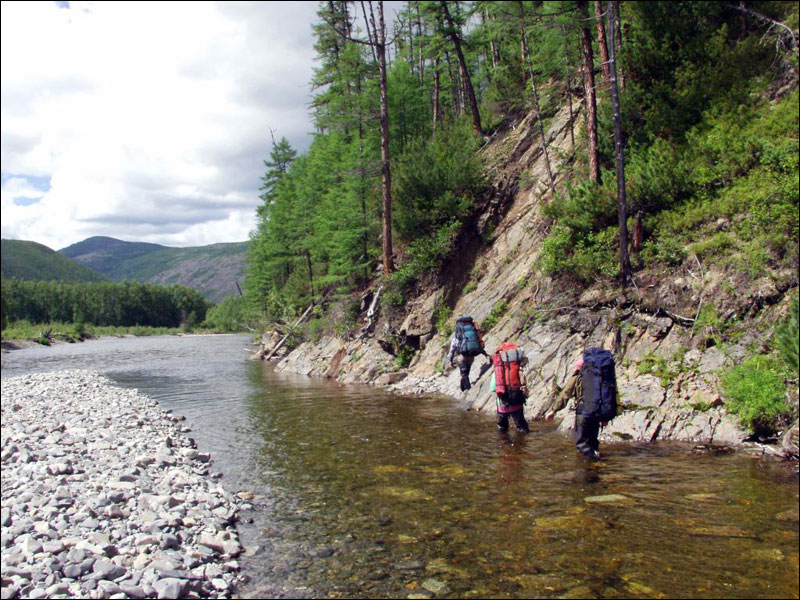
{"x": 607, "y": 499}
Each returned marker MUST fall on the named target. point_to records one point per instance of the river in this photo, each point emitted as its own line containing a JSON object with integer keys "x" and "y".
{"x": 361, "y": 493}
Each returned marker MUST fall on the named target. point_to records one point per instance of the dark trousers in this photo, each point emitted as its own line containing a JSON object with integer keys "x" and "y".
{"x": 586, "y": 432}
{"x": 519, "y": 421}
{"x": 464, "y": 365}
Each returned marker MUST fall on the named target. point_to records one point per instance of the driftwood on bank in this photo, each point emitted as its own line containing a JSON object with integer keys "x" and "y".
{"x": 371, "y": 314}
{"x": 277, "y": 347}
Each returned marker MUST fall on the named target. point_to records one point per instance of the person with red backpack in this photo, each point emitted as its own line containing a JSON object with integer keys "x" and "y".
{"x": 468, "y": 343}
{"x": 593, "y": 384}
{"x": 509, "y": 384}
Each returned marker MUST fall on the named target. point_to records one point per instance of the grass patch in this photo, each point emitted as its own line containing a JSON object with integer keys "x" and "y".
{"x": 755, "y": 392}
{"x": 498, "y": 310}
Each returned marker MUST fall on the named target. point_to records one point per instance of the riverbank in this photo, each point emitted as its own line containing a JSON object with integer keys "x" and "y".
{"x": 22, "y": 343}
{"x": 686, "y": 406}
{"x": 103, "y": 494}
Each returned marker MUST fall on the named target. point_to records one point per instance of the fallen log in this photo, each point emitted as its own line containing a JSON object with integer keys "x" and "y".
{"x": 283, "y": 339}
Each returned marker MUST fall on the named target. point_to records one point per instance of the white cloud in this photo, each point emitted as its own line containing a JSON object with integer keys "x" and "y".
{"x": 150, "y": 119}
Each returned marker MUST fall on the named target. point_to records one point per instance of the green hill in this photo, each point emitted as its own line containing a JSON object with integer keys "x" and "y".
{"x": 213, "y": 270}
{"x": 29, "y": 260}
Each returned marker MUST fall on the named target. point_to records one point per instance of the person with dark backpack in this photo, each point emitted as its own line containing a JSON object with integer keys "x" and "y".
{"x": 593, "y": 384}
{"x": 468, "y": 343}
{"x": 509, "y": 384}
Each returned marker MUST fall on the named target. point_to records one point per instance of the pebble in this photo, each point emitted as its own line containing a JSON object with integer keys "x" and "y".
{"x": 103, "y": 495}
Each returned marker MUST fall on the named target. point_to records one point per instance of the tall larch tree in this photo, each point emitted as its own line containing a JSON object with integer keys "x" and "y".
{"x": 590, "y": 94}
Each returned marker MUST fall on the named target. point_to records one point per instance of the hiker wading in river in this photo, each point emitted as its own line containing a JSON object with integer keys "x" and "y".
{"x": 509, "y": 384}
{"x": 468, "y": 343}
{"x": 593, "y": 385}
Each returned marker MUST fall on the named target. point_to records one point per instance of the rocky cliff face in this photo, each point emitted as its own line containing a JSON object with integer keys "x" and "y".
{"x": 666, "y": 368}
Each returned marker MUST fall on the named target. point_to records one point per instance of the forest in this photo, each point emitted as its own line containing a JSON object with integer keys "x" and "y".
{"x": 101, "y": 303}
{"x": 682, "y": 115}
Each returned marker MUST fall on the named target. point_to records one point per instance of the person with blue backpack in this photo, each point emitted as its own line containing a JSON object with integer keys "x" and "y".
{"x": 593, "y": 384}
{"x": 468, "y": 343}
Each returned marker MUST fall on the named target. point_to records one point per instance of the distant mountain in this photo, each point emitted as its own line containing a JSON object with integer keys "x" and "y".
{"x": 213, "y": 270}
{"x": 104, "y": 254}
{"x": 29, "y": 260}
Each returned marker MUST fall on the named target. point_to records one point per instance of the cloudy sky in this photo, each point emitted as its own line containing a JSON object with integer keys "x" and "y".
{"x": 147, "y": 121}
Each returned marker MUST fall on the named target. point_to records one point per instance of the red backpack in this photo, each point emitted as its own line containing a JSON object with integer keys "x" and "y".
{"x": 507, "y": 381}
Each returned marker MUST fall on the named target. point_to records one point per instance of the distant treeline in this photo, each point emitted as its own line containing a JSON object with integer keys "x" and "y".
{"x": 103, "y": 303}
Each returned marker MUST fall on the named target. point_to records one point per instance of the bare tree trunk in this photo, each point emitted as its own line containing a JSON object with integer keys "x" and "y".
{"x": 310, "y": 272}
{"x": 377, "y": 35}
{"x": 601, "y": 41}
{"x": 625, "y": 270}
{"x": 495, "y": 50}
{"x": 437, "y": 107}
{"x": 618, "y": 25}
{"x": 743, "y": 19}
{"x": 364, "y": 222}
{"x": 591, "y": 99}
{"x": 569, "y": 94}
{"x": 542, "y": 134}
{"x": 386, "y": 174}
{"x": 538, "y": 111}
{"x": 420, "y": 57}
{"x": 523, "y": 46}
{"x": 484, "y": 20}
{"x": 462, "y": 65}
{"x": 458, "y": 105}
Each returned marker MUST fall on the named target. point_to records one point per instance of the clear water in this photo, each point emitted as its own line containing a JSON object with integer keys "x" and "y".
{"x": 360, "y": 493}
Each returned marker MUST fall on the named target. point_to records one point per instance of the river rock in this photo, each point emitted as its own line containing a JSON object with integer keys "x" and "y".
{"x": 99, "y": 487}
{"x": 607, "y": 499}
{"x": 435, "y": 586}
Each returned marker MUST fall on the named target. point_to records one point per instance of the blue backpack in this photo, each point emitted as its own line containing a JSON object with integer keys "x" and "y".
{"x": 469, "y": 342}
{"x": 599, "y": 385}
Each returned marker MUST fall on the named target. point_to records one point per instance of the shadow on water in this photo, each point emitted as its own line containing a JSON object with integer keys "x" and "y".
{"x": 359, "y": 493}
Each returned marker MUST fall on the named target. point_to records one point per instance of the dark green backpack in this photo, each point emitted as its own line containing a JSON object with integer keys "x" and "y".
{"x": 469, "y": 341}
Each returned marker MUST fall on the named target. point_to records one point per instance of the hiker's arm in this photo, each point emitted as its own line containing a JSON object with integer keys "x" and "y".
{"x": 563, "y": 397}
{"x": 452, "y": 353}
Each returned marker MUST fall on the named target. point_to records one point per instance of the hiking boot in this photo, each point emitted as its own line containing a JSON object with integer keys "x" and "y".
{"x": 465, "y": 385}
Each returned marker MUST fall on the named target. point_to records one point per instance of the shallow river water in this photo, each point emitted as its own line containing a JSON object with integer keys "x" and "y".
{"x": 361, "y": 493}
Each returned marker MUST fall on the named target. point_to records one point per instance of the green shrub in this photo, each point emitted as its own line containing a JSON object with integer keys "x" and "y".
{"x": 785, "y": 340}
{"x": 441, "y": 318}
{"x": 79, "y": 331}
{"x": 232, "y": 314}
{"x": 435, "y": 182}
{"x": 755, "y": 392}
{"x": 657, "y": 365}
{"x": 498, "y": 310}
{"x": 422, "y": 255}
{"x": 404, "y": 356}
{"x": 728, "y": 193}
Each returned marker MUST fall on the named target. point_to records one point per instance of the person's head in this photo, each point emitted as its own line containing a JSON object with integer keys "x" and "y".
{"x": 577, "y": 366}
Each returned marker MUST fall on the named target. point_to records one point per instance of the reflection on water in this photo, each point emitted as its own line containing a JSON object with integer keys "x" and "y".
{"x": 359, "y": 493}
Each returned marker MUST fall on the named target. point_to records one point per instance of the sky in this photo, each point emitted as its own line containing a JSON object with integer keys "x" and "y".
{"x": 147, "y": 121}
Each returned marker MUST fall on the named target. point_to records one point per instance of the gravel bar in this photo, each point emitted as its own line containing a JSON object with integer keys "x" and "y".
{"x": 105, "y": 496}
